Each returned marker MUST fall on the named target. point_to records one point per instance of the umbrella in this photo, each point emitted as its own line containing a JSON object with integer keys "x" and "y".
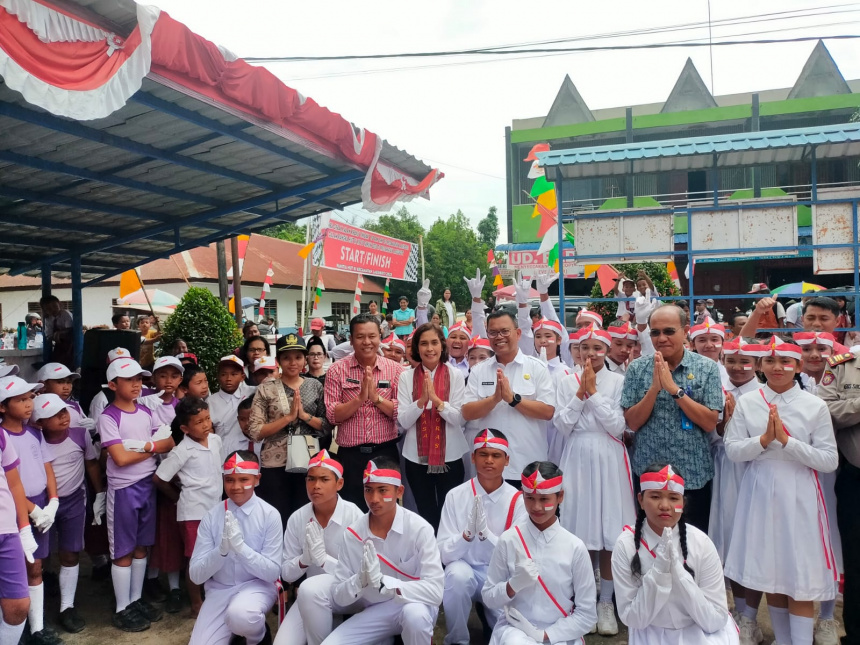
{"x": 249, "y": 302}
{"x": 797, "y": 288}
{"x": 509, "y": 293}
{"x": 157, "y": 298}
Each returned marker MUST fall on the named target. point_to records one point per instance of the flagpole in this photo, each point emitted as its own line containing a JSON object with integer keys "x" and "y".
{"x": 146, "y": 295}
{"x": 305, "y": 286}
{"x": 421, "y": 247}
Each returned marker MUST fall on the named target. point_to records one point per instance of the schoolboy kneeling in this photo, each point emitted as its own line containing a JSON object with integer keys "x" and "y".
{"x": 237, "y": 559}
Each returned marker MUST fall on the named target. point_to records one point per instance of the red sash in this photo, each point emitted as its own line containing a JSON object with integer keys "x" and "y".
{"x": 383, "y": 560}
{"x": 540, "y": 580}
{"x": 510, "y": 519}
{"x": 641, "y": 541}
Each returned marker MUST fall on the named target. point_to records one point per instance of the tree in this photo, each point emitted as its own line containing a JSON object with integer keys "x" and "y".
{"x": 206, "y": 326}
{"x": 488, "y": 229}
{"x": 655, "y": 270}
{"x": 402, "y": 225}
{"x": 289, "y": 231}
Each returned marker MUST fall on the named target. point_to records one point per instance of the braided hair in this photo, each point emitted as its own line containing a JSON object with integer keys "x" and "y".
{"x": 636, "y": 563}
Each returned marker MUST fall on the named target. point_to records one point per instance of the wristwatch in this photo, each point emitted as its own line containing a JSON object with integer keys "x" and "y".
{"x": 515, "y": 401}
{"x": 680, "y": 394}
{"x": 440, "y": 407}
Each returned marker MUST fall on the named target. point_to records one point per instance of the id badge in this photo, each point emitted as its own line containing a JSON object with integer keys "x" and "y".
{"x": 686, "y": 424}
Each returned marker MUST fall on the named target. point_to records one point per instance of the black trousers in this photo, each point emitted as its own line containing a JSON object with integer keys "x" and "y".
{"x": 285, "y": 491}
{"x": 429, "y": 490}
{"x": 848, "y": 518}
{"x": 697, "y": 504}
{"x": 354, "y": 459}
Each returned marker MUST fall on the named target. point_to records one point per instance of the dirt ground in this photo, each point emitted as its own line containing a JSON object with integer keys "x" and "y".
{"x": 95, "y": 603}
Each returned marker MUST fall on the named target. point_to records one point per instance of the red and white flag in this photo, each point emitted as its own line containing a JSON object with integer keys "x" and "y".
{"x": 267, "y": 287}
{"x": 356, "y": 304}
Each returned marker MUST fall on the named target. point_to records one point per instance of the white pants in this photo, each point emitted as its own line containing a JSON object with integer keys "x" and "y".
{"x": 414, "y": 621}
{"x": 463, "y": 586}
{"x": 309, "y": 620}
{"x": 239, "y": 611}
{"x": 507, "y": 635}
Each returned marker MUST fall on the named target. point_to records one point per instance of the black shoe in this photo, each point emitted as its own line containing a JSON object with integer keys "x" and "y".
{"x": 237, "y": 640}
{"x": 46, "y": 636}
{"x": 174, "y": 602}
{"x": 152, "y": 613}
{"x": 153, "y": 590}
{"x": 101, "y": 573}
{"x": 128, "y": 620}
{"x": 71, "y": 620}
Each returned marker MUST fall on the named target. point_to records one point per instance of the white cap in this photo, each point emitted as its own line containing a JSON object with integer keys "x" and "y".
{"x": 8, "y": 370}
{"x": 125, "y": 368}
{"x": 232, "y": 358}
{"x": 265, "y": 363}
{"x": 47, "y": 405}
{"x": 168, "y": 361}
{"x": 55, "y": 371}
{"x": 13, "y": 386}
{"x": 118, "y": 352}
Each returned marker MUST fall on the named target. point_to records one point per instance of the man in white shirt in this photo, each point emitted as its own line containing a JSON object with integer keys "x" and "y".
{"x": 511, "y": 391}
{"x": 475, "y": 514}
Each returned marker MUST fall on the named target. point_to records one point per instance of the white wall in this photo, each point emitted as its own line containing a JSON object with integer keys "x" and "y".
{"x": 97, "y": 301}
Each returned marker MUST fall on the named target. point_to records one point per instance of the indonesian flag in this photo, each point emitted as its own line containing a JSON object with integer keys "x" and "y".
{"x": 356, "y": 303}
{"x": 243, "y": 249}
{"x": 267, "y": 287}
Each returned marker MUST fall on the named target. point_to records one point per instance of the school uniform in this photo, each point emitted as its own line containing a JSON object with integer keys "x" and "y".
{"x": 728, "y": 476}
{"x": 781, "y": 539}
{"x": 223, "y": 410}
{"x": 199, "y": 470}
{"x": 672, "y": 608}
{"x": 466, "y": 562}
{"x": 310, "y": 618}
{"x": 410, "y": 563}
{"x": 563, "y": 605}
{"x": 33, "y": 453}
{"x": 599, "y": 497}
{"x": 240, "y": 588}
{"x": 13, "y": 582}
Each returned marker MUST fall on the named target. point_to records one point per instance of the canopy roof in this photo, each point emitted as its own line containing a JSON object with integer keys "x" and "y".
{"x": 125, "y": 137}
{"x": 740, "y": 149}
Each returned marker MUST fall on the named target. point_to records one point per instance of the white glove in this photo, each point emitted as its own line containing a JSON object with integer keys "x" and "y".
{"x": 523, "y": 287}
{"x": 470, "y": 531}
{"x": 476, "y": 284}
{"x": 643, "y": 307}
{"x": 315, "y": 543}
{"x": 135, "y": 445}
{"x": 542, "y": 356}
{"x": 481, "y": 527}
{"x": 544, "y": 280}
{"x": 28, "y": 543}
{"x": 525, "y": 573}
{"x": 99, "y": 508}
{"x": 664, "y": 552}
{"x": 374, "y": 573}
{"x": 424, "y": 294}
{"x": 162, "y": 433}
{"x": 306, "y": 559}
{"x": 50, "y": 514}
{"x": 38, "y": 516}
{"x": 87, "y": 424}
{"x": 224, "y": 547}
{"x": 516, "y": 619}
{"x": 237, "y": 540}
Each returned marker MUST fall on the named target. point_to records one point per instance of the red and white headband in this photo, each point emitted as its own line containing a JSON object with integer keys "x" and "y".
{"x": 486, "y": 439}
{"x": 374, "y": 475}
{"x": 596, "y": 333}
{"x": 576, "y": 337}
{"x": 775, "y": 347}
{"x": 732, "y": 347}
{"x": 324, "y": 460}
{"x": 633, "y": 334}
{"x": 816, "y": 337}
{"x": 235, "y": 465}
{"x": 545, "y": 323}
{"x": 537, "y": 485}
{"x": 458, "y": 327}
{"x": 708, "y": 327}
{"x": 478, "y": 342}
{"x": 666, "y": 479}
{"x": 590, "y": 316}
{"x": 619, "y": 331}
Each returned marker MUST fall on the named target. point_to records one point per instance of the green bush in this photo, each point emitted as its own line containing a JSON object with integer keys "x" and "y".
{"x": 656, "y": 271}
{"x": 206, "y": 326}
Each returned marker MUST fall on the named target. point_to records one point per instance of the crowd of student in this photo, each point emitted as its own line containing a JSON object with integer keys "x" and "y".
{"x": 556, "y": 479}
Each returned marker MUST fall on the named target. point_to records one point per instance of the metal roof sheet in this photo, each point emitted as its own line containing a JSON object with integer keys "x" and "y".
{"x": 738, "y": 149}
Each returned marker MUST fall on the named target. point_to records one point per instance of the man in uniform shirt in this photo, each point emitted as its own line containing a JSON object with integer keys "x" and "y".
{"x": 513, "y": 392}
{"x": 840, "y": 389}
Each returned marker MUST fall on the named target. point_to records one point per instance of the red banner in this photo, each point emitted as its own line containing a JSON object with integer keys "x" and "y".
{"x": 356, "y": 250}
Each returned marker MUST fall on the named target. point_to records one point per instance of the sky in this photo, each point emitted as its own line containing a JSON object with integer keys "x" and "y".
{"x": 452, "y": 112}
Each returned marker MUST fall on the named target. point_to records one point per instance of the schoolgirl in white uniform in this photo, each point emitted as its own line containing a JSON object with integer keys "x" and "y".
{"x": 668, "y": 578}
{"x": 540, "y": 574}
{"x": 707, "y": 340}
{"x": 781, "y": 541}
{"x": 599, "y": 497}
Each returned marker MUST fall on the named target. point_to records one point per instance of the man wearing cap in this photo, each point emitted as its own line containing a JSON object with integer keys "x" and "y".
{"x": 672, "y": 400}
{"x": 361, "y": 399}
{"x": 318, "y": 330}
{"x": 224, "y": 403}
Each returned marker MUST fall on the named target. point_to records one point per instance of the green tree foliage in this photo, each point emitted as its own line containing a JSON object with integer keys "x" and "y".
{"x": 655, "y": 270}
{"x": 402, "y": 225}
{"x": 206, "y": 326}
{"x": 488, "y": 229}
{"x": 289, "y": 231}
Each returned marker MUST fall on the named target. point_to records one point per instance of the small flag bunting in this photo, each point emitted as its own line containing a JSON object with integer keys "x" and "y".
{"x": 385, "y": 295}
{"x": 318, "y": 294}
{"x": 494, "y": 269}
{"x": 243, "y": 249}
{"x": 356, "y": 303}
{"x": 267, "y": 287}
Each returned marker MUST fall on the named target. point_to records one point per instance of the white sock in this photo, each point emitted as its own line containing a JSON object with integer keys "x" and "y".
{"x": 138, "y": 573}
{"x": 36, "y": 614}
{"x": 827, "y": 607}
{"x": 121, "y": 577}
{"x": 607, "y": 587}
{"x": 801, "y": 629}
{"x": 751, "y": 612}
{"x": 68, "y": 586}
{"x": 10, "y": 634}
{"x": 740, "y": 605}
{"x": 173, "y": 579}
{"x": 780, "y": 624}
{"x": 152, "y": 572}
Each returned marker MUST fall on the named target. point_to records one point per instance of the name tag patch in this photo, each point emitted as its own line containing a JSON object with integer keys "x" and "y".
{"x": 353, "y": 380}
{"x": 488, "y": 382}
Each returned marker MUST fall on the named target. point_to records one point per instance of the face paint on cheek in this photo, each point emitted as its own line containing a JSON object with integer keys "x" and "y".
{"x": 248, "y": 487}
{"x": 550, "y": 507}
{"x": 787, "y": 368}
{"x": 679, "y": 509}
{"x": 600, "y": 354}
{"x": 747, "y": 368}
{"x": 387, "y": 499}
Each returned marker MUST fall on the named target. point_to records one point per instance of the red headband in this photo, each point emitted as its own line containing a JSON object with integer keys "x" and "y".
{"x": 666, "y": 479}
{"x": 817, "y": 337}
{"x": 545, "y": 323}
{"x": 535, "y": 483}
{"x": 596, "y": 333}
{"x": 590, "y": 315}
{"x": 775, "y": 347}
{"x": 324, "y": 460}
{"x": 234, "y": 466}
{"x": 374, "y": 475}
{"x": 708, "y": 327}
{"x": 486, "y": 439}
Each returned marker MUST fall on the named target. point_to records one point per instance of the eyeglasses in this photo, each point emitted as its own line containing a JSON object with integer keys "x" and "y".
{"x": 504, "y": 333}
{"x": 315, "y": 354}
{"x": 668, "y": 331}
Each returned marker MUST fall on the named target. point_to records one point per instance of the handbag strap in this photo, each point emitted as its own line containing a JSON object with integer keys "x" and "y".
{"x": 283, "y": 400}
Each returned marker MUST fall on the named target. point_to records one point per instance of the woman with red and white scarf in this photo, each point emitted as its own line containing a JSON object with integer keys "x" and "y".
{"x": 429, "y": 399}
